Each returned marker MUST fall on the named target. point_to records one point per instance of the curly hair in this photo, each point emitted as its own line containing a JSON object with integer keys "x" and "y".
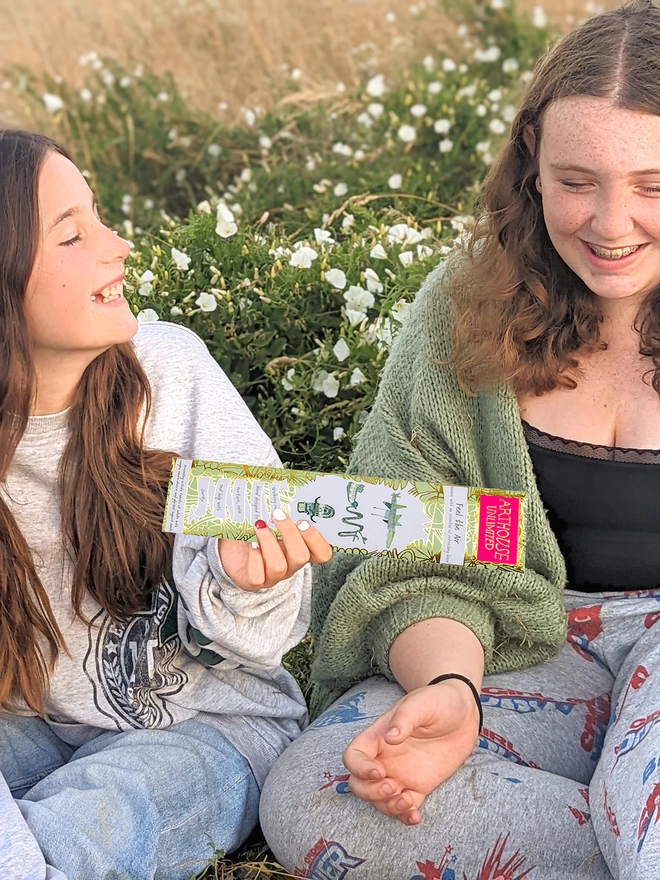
{"x": 523, "y": 314}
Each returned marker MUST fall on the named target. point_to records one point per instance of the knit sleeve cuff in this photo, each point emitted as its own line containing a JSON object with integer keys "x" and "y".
{"x": 390, "y": 623}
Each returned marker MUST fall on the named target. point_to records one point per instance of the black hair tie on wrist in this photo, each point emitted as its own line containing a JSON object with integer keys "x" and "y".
{"x": 475, "y": 692}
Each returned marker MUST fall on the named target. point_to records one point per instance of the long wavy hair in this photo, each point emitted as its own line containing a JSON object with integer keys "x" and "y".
{"x": 112, "y": 489}
{"x": 523, "y": 314}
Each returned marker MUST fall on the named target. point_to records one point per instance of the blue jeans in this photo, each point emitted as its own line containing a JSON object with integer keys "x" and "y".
{"x": 131, "y": 805}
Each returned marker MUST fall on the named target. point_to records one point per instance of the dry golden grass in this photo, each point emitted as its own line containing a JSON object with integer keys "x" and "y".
{"x": 229, "y": 50}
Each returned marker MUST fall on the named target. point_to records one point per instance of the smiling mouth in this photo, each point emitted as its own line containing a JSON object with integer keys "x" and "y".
{"x": 108, "y": 294}
{"x": 612, "y": 253}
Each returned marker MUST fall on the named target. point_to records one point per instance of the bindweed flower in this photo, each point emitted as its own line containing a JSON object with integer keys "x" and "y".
{"x": 400, "y": 310}
{"x": 207, "y": 302}
{"x": 357, "y": 377}
{"x": 52, "y": 103}
{"x": 376, "y": 86}
{"x": 358, "y": 299}
{"x": 214, "y": 150}
{"x": 322, "y": 236}
{"x": 340, "y": 190}
{"x": 406, "y": 258}
{"x": 286, "y": 383}
{"x": 374, "y": 284}
{"x": 395, "y": 181}
{"x": 407, "y": 134}
{"x": 348, "y": 221}
{"x": 497, "y": 126}
{"x": 401, "y": 233}
{"x": 303, "y": 257}
{"x": 354, "y": 317}
{"x": 226, "y": 225}
{"x": 204, "y": 207}
{"x": 448, "y": 65}
{"x": 341, "y": 350}
{"x": 180, "y": 260}
{"x": 378, "y": 252}
{"x": 446, "y": 145}
{"x": 418, "y": 110}
{"x": 375, "y": 109}
{"x": 85, "y": 95}
{"x": 326, "y": 383}
{"x": 434, "y": 88}
{"x": 424, "y": 251}
{"x": 365, "y": 120}
{"x": 510, "y": 65}
{"x": 539, "y": 18}
{"x": 176, "y": 311}
{"x": 336, "y": 278}
{"x": 147, "y": 316}
{"x": 441, "y": 126}
{"x": 338, "y": 433}
{"x": 342, "y": 149}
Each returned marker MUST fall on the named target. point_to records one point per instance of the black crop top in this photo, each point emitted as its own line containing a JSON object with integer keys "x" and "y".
{"x": 603, "y": 504}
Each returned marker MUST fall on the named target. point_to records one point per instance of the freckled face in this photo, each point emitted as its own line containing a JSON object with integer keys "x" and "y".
{"x": 599, "y": 178}
{"x": 74, "y": 302}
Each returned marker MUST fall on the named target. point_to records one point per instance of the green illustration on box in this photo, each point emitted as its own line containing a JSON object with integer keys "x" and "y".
{"x": 400, "y": 519}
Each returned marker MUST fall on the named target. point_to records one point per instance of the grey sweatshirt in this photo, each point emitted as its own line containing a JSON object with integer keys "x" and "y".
{"x": 205, "y": 648}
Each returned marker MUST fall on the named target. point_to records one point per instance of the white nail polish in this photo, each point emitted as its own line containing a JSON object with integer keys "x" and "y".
{"x": 303, "y": 525}
{"x": 278, "y": 514}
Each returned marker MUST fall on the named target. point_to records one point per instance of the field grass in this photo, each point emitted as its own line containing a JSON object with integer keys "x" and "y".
{"x": 231, "y": 51}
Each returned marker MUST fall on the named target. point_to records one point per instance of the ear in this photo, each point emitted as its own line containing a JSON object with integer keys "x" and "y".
{"x": 529, "y": 137}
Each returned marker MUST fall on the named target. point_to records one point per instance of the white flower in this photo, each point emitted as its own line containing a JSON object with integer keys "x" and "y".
{"x": 365, "y": 120}
{"x": 249, "y": 116}
{"x": 86, "y": 95}
{"x": 341, "y": 189}
{"x": 265, "y": 142}
{"x": 357, "y": 376}
{"x": 390, "y": 17}
{"x": 441, "y": 126}
{"x": 446, "y": 145}
{"x": 376, "y": 110}
{"x": 418, "y": 110}
{"x": 482, "y": 146}
{"x": 424, "y": 251}
{"x": 494, "y": 95}
{"x": 407, "y": 134}
{"x": 539, "y": 18}
{"x": 376, "y": 86}
{"x": 406, "y": 258}
{"x": 342, "y": 149}
{"x": 401, "y": 233}
{"x": 435, "y": 88}
{"x": 146, "y": 277}
{"x": 337, "y": 278}
{"x": 163, "y": 96}
{"x": 326, "y": 383}
{"x": 395, "y": 181}
{"x": 204, "y": 207}
{"x": 374, "y": 284}
{"x": 348, "y": 221}
{"x": 175, "y": 311}
{"x": 378, "y": 252}
{"x": 280, "y": 252}
{"x": 355, "y": 317}
{"x": 467, "y": 91}
{"x": 322, "y": 236}
{"x": 226, "y": 225}
{"x": 303, "y": 257}
{"x": 359, "y": 155}
{"x": 214, "y": 150}
{"x": 147, "y": 316}
{"x": 246, "y": 175}
{"x": 125, "y": 82}
{"x": 52, "y": 103}
{"x": 497, "y": 4}
{"x": 492, "y": 53}
{"x": 497, "y": 126}
{"x": 340, "y": 88}
{"x": 428, "y": 63}
{"x": 358, "y": 299}
{"x": 509, "y": 113}
{"x": 448, "y": 65}
{"x": 207, "y": 302}
{"x": 510, "y": 65}
{"x": 400, "y": 310}
{"x": 481, "y": 109}
{"x": 180, "y": 259}
{"x": 145, "y": 289}
{"x": 310, "y": 163}
{"x": 338, "y": 433}
{"x": 296, "y": 73}
{"x": 341, "y": 350}
{"x": 287, "y": 384}
{"x": 108, "y": 79}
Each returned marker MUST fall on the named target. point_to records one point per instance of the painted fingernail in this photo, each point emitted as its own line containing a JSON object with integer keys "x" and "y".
{"x": 278, "y": 514}
{"x": 255, "y": 545}
{"x": 260, "y": 524}
{"x": 303, "y": 525}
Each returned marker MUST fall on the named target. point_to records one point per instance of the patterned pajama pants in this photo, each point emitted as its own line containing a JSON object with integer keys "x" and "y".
{"x": 564, "y": 781}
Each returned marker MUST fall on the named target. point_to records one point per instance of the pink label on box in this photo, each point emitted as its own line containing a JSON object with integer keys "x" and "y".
{"x": 499, "y": 525}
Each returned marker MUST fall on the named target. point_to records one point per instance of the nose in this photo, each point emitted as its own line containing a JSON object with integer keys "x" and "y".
{"x": 113, "y": 248}
{"x": 612, "y": 221}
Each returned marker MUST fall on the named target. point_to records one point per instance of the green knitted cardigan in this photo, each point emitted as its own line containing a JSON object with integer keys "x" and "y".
{"x": 424, "y": 427}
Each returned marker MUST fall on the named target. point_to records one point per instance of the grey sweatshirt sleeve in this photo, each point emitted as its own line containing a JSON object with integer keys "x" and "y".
{"x": 198, "y": 413}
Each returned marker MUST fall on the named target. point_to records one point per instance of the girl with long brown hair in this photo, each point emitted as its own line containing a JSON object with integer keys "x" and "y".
{"x": 530, "y": 361}
{"x": 142, "y": 697}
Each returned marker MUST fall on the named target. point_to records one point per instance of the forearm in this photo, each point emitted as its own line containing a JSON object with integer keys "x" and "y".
{"x": 434, "y": 647}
